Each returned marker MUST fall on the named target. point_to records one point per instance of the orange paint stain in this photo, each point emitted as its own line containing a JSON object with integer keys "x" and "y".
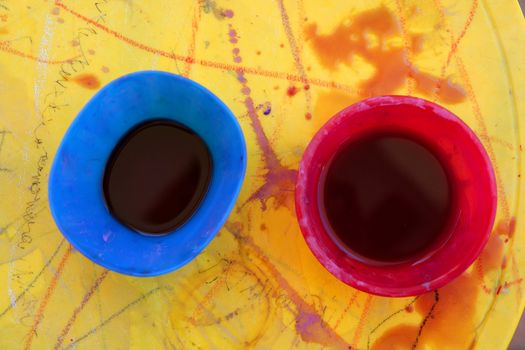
{"x": 206, "y": 63}
{"x": 400, "y": 337}
{"x": 448, "y": 315}
{"x": 87, "y": 80}
{"x": 4, "y": 30}
{"x": 376, "y": 36}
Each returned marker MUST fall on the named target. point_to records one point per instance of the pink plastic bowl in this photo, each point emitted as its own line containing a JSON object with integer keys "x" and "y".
{"x": 470, "y": 174}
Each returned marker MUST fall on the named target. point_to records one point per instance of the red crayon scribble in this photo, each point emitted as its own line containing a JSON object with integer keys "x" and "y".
{"x": 296, "y": 53}
{"x": 194, "y": 30}
{"x": 47, "y": 296}
{"x": 211, "y": 64}
{"x": 455, "y": 43}
{"x": 407, "y": 47}
{"x": 4, "y": 46}
{"x": 79, "y": 308}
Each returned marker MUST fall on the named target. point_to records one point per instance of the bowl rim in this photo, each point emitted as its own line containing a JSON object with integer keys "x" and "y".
{"x": 316, "y": 235}
{"x": 58, "y": 213}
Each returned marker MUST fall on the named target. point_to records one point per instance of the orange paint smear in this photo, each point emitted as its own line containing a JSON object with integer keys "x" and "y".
{"x": 79, "y": 308}
{"x": 369, "y": 36}
{"x": 211, "y": 64}
{"x": 87, "y": 80}
{"x": 447, "y": 320}
{"x": 47, "y": 296}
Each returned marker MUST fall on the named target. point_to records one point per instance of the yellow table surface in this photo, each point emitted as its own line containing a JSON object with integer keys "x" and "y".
{"x": 256, "y": 285}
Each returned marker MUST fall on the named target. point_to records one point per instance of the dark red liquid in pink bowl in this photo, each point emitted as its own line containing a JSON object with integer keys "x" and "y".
{"x": 395, "y": 196}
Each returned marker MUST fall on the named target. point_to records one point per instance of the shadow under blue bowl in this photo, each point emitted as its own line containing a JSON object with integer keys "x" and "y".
{"x": 75, "y": 184}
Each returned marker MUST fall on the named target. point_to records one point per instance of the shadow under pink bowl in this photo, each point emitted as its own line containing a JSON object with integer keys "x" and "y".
{"x": 471, "y": 182}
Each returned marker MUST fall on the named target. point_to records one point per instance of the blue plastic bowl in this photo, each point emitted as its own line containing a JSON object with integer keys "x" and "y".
{"x": 75, "y": 185}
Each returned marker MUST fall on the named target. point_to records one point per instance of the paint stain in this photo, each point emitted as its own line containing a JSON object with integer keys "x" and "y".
{"x": 292, "y": 91}
{"x": 309, "y": 325}
{"x": 227, "y": 13}
{"x": 87, "y": 80}
{"x": 104, "y": 69}
{"x": 91, "y": 51}
{"x": 60, "y": 20}
{"x": 210, "y": 6}
{"x": 55, "y": 11}
{"x": 279, "y": 180}
{"x": 4, "y": 30}
{"x": 452, "y": 323}
{"x": 376, "y": 36}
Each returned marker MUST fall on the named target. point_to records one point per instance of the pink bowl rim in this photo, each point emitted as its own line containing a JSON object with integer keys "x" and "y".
{"x": 303, "y": 207}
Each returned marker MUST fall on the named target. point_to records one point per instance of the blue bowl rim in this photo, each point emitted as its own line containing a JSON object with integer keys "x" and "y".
{"x": 113, "y": 264}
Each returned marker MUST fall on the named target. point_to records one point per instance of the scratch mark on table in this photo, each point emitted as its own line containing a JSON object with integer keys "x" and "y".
{"x": 425, "y": 319}
{"x": 388, "y": 318}
{"x": 115, "y": 315}
{"x": 35, "y": 279}
{"x": 308, "y": 323}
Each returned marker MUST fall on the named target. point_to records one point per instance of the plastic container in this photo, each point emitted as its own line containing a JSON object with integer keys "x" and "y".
{"x": 75, "y": 185}
{"x": 472, "y": 182}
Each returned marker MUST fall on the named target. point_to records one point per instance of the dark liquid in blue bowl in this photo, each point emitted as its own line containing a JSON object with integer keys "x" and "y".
{"x": 385, "y": 198}
{"x": 156, "y": 177}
